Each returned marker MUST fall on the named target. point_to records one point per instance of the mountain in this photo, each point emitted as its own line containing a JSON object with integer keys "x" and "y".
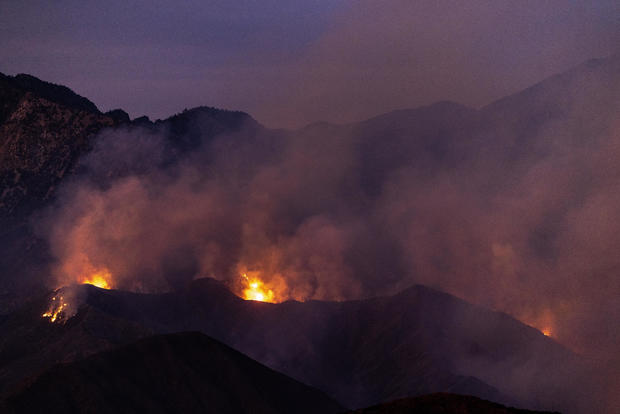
{"x": 441, "y": 403}
{"x": 498, "y": 144}
{"x": 432, "y": 138}
{"x": 359, "y": 352}
{"x": 181, "y": 373}
{"x": 45, "y": 129}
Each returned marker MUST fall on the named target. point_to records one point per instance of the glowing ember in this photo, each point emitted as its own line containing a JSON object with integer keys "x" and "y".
{"x": 56, "y": 309}
{"x": 256, "y": 290}
{"x": 543, "y": 320}
{"x": 101, "y": 279}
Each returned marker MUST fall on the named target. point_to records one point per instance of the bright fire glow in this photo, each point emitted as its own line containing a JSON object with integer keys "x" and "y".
{"x": 255, "y": 289}
{"x": 101, "y": 279}
{"x": 56, "y": 309}
{"x": 60, "y": 306}
{"x": 543, "y": 320}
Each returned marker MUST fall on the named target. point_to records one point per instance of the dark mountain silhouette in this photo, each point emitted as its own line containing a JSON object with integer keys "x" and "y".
{"x": 385, "y": 142}
{"x": 44, "y": 130}
{"x": 441, "y": 403}
{"x": 51, "y": 92}
{"x": 360, "y": 352}
{"x": 176, "y": 373}
{"x": 192, "y": 128}
{"x": 119, "y": 116}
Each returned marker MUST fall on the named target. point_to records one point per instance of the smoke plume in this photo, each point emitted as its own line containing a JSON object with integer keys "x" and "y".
{"x": 512, "y": 206}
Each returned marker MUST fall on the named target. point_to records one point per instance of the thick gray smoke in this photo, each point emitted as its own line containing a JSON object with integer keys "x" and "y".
{"x": 513, "y": 206}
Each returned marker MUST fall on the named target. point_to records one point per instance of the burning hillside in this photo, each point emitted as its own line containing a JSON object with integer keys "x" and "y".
{"x": 256, "y": 290}
{"x": 331, "y": 214}
{"x": 434, "y": 341}
{"x": 57, "y": 308}
{"x": 511, "y": 207}
{"x": 336, "y": 251}
{"x": 65, "y": 301}
{"x": 102, "y": 279}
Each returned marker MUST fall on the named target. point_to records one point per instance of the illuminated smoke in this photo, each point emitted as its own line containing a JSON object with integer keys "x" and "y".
{"x": 515, "y": 212}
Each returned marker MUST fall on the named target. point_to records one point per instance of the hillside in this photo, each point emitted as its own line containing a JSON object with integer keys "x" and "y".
{"x": 360, "y": 352}
{"x": 441, "y": 403}
{"x": 181, "y": 373}
{"x": 45, "y": 132}
{"x": 44, "y": 128}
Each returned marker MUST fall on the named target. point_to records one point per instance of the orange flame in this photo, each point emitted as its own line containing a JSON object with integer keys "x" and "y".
{"x": 256, "y": 290}
{"x": 56, "y": 309}
{"x": 542, "y": 320}
{"x": 101, "y": 278}
{"x": 60, "y": 306}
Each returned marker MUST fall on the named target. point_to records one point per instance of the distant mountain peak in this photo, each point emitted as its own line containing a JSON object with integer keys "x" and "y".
{"x": 52, "y": 92}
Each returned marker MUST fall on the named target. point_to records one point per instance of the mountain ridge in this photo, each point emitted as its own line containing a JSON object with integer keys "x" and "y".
{"x": 183, "y": 372}
{"x": 425, "y": 341}
{"x": 507, "y": 138}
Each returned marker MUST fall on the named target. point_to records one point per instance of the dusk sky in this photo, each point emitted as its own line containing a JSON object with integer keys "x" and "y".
{"x": 295, "y": 62}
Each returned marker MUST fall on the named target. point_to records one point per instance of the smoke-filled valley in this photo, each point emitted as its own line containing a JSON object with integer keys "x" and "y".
{"x": 510, "y": 207}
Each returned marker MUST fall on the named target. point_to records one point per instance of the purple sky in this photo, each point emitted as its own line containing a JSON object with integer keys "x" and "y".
{"x": 293, "y": 62}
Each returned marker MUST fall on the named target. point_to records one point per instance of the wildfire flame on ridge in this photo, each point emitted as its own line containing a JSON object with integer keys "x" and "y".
{"x": 101, "y": 278}
{"x": 59, "y": 305}
{"x": 56, "y": 309}
{"x": 256, "y": 290}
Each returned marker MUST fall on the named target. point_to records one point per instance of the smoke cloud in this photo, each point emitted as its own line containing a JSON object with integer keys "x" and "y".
{"x": 512, "y": 206}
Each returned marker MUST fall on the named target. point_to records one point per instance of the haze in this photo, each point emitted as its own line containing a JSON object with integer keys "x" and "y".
{"x": 296, "y": 62}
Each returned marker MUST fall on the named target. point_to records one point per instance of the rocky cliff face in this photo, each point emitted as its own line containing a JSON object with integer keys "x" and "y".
{"x": 44, "y": 128}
